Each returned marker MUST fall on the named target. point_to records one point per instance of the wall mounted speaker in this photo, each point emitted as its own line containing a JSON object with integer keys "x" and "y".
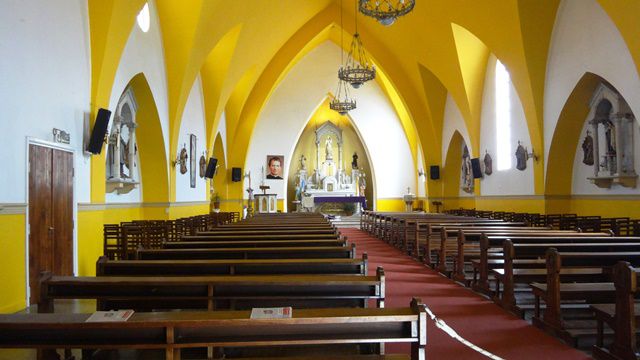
{"x": 236, "y": 174}
{"x": 211, "y": 168}
{"x": 99, "y": 131}
{"x": 434, "y": 172}
{"x": 475, "y": 168}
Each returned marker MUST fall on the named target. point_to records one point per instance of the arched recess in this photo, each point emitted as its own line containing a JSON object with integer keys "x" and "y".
{"x": 305, "y": 145}
{"x": 316, "y": 31}
{"x": 221, "y": 176}
{"x": 565, "y": 141}
{"x": 154, "y": 175}
{"x": 450, "y": 175}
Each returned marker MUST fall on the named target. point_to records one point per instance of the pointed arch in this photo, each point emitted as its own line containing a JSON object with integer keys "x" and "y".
{"x": 566, "y": 135}
{"x": 154, "y": 172}
{"x": 450, "y": 174}
{"x": 221, "y": 175}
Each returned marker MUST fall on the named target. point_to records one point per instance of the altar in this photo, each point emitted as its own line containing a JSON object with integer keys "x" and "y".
{"x": 329, "y": 181}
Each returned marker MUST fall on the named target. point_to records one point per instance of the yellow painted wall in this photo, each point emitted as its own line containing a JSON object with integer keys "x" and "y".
{"x": 389, "y": 205}
{"x": 12, "y": 267}
{"x": 606, "y": 206}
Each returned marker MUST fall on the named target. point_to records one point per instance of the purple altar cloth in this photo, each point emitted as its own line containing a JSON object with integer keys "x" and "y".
{"x": 341, "y": 199}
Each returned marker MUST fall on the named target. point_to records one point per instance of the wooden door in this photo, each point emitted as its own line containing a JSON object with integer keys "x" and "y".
{"x": 50, "y": 214}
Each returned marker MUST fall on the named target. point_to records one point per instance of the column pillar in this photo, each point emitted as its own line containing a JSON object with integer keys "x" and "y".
{"x": 596, "y": 148}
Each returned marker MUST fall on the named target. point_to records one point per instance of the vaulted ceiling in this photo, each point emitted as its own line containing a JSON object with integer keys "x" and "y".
{"x": 243, "y": 48}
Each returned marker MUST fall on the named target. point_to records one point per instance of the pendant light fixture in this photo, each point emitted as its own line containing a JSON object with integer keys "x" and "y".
{"x": 357, "y": 70}
{"x": 342, "y": 102}
{"x": 386, "y": 11}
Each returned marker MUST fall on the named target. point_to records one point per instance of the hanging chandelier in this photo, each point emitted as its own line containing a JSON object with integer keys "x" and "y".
{"x": 357, "y": 70}
{"x": 342, "y": 102}
{"x": 386, "y": 11}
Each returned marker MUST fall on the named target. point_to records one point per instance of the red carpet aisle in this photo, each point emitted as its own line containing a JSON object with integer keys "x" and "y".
{"x": 474, "y": 318}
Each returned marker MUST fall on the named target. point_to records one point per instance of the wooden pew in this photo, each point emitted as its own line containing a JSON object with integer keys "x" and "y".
{"x": 452, "y": 236}
{"x": 203, "y": 244}
{"x": 554, "y": 292}
{"x": 509, "y": 276}
{"x": 147, "y": 293}
{"x": 106, "y": 267}
{"x": 268, "y": 230}
{"x": 258, "y": 236}
{"x": 468, "y": 243}
{"x": 171, "y": 332}
{"x": 323, "y": 252}
{"x": 486, "y": 261}
{"x": 622, "y": 317}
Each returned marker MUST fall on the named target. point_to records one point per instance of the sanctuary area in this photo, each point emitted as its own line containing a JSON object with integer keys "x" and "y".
{"x": 380, "y": 179}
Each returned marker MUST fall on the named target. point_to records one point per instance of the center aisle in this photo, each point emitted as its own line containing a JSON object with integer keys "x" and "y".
{"x": 473, "y": 317}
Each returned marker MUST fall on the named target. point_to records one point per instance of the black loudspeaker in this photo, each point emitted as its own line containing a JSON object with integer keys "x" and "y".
{"x": 99, "y": 131}
{"x": 475, "y": 167}
{"x": 236, "y": 174}
{"x": 434, "y": 172}
{"x": 211, "y": 168}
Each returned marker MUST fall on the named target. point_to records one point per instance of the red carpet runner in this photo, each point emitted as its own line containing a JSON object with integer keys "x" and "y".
{"x": 473, "y": 317}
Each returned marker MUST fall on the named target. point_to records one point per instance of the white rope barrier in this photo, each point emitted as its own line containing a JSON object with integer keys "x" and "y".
{"x": 440, "y": 324}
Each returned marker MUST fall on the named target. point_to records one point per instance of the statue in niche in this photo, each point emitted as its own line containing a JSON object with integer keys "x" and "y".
{"x": 521, "y": 157}
{"x": 328, "y": 148}
{"x": 467, "y": 176}
{"x": 183, "y": 160}
{"x": 203, "y": 166}
{"x": 303, "y": 162}
{"x": 587, "y": 149}
{"x": 488, "y": 163}
{"x": 354, "y": 162}
{"x": 609, "y": 134}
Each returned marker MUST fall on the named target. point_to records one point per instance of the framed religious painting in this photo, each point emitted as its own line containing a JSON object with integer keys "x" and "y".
{"x": 274, "y": 166}
{"x": 192, "y": 159}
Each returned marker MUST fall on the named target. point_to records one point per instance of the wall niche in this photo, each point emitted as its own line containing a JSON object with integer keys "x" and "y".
{"x": 609, "y": 145}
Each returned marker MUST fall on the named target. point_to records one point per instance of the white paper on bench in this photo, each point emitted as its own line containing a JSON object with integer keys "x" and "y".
{"x": 110, "y": 316}
{"x": 271, "y": 313}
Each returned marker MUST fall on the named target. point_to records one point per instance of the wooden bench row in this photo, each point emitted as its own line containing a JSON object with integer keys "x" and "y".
{"x": 173, "y": 332}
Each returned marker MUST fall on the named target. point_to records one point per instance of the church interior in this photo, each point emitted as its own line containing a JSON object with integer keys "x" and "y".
{"x": 116, "y": 111}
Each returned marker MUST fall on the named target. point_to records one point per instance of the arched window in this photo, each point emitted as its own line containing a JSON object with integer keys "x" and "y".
{"x": 503, "y": 116}
{"x": 143, "y": 18}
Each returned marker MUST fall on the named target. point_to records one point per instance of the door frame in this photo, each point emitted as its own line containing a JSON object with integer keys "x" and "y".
{"x": 61, "y": 147}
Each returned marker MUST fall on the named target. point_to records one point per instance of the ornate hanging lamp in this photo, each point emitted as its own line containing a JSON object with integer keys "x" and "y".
{"x": 357, "y": 70}
{"x": 386, "y": 11}
{"x": 342, "y": 102}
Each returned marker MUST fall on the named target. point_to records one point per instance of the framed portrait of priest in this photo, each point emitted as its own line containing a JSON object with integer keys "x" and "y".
{"x": 274, "y": 166}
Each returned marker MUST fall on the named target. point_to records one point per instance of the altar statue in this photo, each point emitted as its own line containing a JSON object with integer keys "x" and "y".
{"x": 354, "y": 162}
{"x": 328, "y": 148}
{"x": 303, "y": 162}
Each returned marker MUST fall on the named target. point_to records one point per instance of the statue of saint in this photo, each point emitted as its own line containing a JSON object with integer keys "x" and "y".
{"x": 521, "y": 157}
{"x": 587, "y": 148}
{"x": 354, "y": 162}
{"x": 183, "y": 160}
{"x": 303, "y": 162}
{"x": 203, "y": 166}
{"x": 488, "y": 163}
{"x": 328, "y": 148}
{"x": 467, "y": 177}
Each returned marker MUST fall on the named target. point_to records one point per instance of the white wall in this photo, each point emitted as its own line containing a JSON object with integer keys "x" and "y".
{"x": 512, "y": 181}
{"x": 295, "y": 100}
{"x": 585, "y": 39}
{"x": 192, "y": 123}
{"x": 143, "y": 53}
{"x": 421, "y": 191}
{"x": 453, "y": 121}
{"x": 45, "y": 83}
